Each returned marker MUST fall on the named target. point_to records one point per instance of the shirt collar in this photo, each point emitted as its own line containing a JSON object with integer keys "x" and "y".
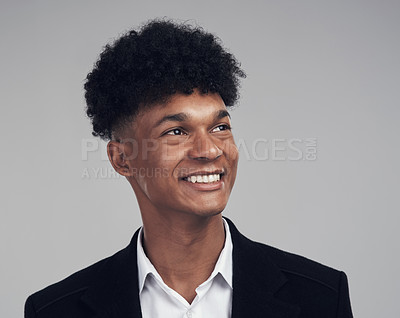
{"x": 223, "y": 265}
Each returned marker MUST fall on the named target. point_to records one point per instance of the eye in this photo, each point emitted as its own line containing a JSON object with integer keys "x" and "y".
{"x": 175, "y": 132}
{"x": 221, "y": 128}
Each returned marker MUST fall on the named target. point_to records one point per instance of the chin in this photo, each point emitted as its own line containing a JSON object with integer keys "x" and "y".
{"x": 206, "y": 211}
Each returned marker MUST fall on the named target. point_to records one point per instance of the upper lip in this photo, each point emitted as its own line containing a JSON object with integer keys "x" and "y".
{"x": 203, "y": 172}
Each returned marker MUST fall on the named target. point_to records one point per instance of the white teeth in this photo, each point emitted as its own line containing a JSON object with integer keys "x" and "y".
{"x": 204, "y": 178}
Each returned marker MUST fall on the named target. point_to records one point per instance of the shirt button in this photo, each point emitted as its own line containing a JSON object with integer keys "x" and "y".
{"x": 189, "y": 314}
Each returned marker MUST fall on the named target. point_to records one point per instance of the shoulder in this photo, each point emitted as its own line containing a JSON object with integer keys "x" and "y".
{"x": 315, "y": 289}
{"x": 303, "y": 285}
{"x": 70, "y": 289}
{"x": 300, "y": 268}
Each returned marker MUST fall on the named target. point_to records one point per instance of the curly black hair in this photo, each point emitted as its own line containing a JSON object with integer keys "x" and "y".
{"x": 150, "y": 65}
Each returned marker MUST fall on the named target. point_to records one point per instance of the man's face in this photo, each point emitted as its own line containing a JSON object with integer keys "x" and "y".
{"x": 184, "y": 158}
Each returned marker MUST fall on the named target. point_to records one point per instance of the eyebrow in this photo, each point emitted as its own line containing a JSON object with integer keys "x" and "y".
{"x": 181, "y": 117}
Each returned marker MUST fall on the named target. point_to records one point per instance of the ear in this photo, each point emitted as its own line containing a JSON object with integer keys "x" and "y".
{"x": 117, "y": 154}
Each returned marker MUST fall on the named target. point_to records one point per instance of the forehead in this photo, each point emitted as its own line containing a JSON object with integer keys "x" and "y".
{"x": 196, "y": 106}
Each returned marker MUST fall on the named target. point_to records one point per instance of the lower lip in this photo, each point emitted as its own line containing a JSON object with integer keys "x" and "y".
{"x": 216, "y": 185}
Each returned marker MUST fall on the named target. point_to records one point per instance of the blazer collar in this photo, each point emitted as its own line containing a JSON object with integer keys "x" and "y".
{"x": 256, "y": 279}
{"x": 115, "y": 292}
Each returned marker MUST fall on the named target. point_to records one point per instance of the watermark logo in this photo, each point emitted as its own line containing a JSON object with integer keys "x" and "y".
{"x": 260, "y": 149}
{"x": 279, "y": 149}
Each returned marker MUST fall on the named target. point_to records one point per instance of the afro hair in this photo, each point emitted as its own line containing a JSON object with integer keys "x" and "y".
{"x": 148, "y": 66}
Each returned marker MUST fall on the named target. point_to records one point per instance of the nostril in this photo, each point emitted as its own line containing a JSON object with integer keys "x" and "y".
{"x": 204, "y": 148}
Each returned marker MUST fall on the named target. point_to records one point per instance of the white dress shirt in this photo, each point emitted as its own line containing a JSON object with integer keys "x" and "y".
{"x": 213, "y": 299}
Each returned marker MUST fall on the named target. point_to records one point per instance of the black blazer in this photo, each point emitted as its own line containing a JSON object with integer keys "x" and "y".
{"x": 267, "y": 283}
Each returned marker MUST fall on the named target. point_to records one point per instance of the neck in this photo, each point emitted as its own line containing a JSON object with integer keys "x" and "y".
{"x": 184, "y": 251}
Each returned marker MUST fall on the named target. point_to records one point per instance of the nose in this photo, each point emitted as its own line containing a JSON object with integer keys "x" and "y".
{"x": 203, "y": 147}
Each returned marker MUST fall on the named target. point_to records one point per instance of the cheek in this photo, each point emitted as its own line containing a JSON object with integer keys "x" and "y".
{"x": 153, "y": 181}
{"x": 153, "y": 174}
{"x": 172, "y": 153}
{"x": 232, "y": 153}
{"x": 232, "y": 157}
{"x": 143, "y": 171}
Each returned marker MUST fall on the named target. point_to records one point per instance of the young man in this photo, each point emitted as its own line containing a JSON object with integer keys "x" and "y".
{"x": 160, "y": 95}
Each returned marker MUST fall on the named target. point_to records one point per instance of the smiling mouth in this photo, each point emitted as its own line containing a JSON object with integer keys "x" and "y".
{"x": 204, "y": 178}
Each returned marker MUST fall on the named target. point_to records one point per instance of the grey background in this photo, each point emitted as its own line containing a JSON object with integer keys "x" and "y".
{"x": 316, "y": 69}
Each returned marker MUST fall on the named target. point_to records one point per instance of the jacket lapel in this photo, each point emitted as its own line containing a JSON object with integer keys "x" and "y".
{"x": 115, "y": 292}
{"x": 255, "y": 280}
